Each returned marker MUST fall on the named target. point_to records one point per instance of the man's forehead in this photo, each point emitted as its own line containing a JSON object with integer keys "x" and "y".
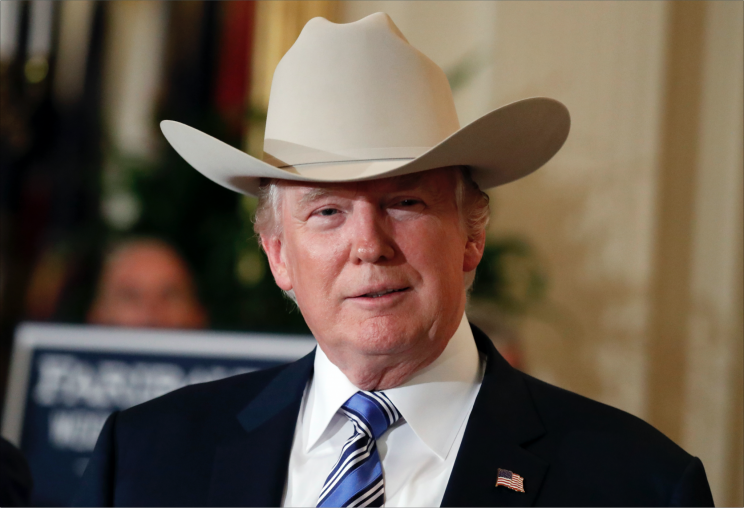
{"x": 435, "y": 180}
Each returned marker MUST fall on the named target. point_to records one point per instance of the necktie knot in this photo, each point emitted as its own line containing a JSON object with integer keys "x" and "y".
{"x": 371, "y": 412}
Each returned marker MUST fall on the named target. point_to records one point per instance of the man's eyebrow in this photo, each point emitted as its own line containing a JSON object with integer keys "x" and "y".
{"x": 314, "y": 195}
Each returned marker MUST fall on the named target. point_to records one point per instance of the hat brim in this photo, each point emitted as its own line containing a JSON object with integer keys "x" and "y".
{"x": 499, "y": 147}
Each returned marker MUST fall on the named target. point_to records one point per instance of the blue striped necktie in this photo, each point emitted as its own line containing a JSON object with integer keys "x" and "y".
{"x": 356, "y": 478}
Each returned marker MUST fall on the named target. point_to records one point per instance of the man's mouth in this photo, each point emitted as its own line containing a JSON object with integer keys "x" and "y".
{"x": 378, "y": 294}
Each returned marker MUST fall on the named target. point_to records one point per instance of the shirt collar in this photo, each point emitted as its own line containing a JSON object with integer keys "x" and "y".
{"x": 435, "y": 401}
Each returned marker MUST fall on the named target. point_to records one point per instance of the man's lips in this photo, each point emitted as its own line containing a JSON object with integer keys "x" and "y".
{"x": 378, "y": 292}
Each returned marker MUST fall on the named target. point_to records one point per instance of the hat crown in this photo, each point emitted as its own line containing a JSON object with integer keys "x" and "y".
{"x": 356, "y": 91}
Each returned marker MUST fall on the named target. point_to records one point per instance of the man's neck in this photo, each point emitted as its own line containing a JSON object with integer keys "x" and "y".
{"x": 372, "y": 377}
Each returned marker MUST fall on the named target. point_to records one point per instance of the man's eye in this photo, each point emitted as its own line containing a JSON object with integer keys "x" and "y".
{"x": 410, "y": 202}
{"x": 327, "y": 212}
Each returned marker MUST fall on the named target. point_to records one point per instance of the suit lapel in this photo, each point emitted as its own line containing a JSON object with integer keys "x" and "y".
{"x": 502, "y": 420}
{"x": 251, "y": 460}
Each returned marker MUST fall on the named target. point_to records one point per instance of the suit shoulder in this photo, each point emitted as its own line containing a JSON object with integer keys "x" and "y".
{"x": 566, "y": 411}
{"x": 197, "y": 400}
{"x": 585, "y": 422}
{"x": 594, "y": 449}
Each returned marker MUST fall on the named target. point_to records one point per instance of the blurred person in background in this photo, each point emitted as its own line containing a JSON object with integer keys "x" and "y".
{"x": 145, "y": 283}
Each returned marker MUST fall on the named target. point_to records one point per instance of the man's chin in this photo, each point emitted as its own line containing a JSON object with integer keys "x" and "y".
{"x": 380, "y": 341}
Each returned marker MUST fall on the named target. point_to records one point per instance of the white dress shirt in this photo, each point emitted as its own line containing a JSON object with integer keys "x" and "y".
{"x": 417, "y": 453}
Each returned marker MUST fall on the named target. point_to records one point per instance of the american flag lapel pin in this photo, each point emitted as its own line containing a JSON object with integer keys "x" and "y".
{"x": 510, "y": 480}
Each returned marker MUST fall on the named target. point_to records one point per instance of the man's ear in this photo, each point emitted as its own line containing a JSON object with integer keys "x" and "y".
{"x": 474, "y": 251}
{"x": 275, "y": 253}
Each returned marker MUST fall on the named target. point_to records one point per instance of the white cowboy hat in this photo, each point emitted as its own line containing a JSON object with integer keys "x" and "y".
{"x": 356, "y": 101}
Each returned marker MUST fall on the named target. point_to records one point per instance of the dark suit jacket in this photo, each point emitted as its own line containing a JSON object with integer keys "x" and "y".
{"x": 228, "y": 442}
{"x": 15, "y": 476}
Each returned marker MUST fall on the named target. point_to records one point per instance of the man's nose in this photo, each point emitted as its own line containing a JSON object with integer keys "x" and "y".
{"x": 371, "y": 241}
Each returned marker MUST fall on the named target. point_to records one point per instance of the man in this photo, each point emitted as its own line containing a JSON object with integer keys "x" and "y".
{"x": 372, "y": 217}
{"x": 146, "y": 283}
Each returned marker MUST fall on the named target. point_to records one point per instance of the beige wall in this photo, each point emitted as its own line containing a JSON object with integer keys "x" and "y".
{"x": 639, "y": 217}
{"x": 711, "y": 418}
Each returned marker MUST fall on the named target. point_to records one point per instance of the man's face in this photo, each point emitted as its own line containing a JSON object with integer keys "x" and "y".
{"x": 377, "y": 267}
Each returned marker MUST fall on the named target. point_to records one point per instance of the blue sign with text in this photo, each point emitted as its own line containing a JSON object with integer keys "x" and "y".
{"x": 70, "y": 391}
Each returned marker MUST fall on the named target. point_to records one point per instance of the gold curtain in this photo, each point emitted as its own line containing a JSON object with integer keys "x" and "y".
{"x": 277, "y": 26}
